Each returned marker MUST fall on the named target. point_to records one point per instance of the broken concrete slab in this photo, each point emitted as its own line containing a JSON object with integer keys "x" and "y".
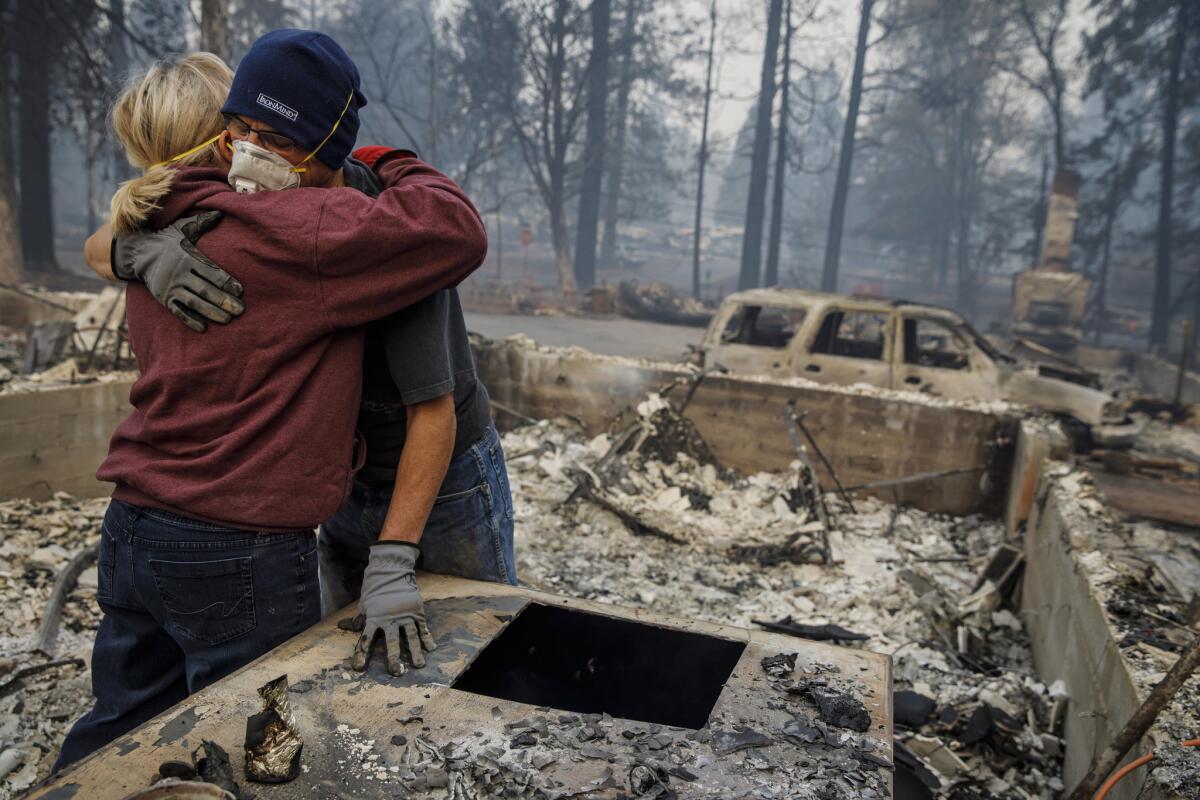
{"x": 457, "y": 741}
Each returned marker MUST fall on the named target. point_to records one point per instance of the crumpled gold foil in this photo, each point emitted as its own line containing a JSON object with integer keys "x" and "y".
{"x": 273, "y": 744}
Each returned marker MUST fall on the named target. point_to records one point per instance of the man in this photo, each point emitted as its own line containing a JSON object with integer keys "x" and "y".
{"x": 435, "y": 473}
{"x": 434, "y": 490}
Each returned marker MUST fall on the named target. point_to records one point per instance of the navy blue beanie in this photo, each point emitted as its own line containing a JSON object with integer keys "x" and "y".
{"x": 298, "y": 82}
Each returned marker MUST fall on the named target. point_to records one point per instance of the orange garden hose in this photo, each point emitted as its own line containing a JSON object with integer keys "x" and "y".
{"x": 1115, "y": 778}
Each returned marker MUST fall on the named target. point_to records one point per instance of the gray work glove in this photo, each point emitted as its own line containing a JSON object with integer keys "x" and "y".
{"x": 391, "y": 603}
{"x": 185, "y": 281}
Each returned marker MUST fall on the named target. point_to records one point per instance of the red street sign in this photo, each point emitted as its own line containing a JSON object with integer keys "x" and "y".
{"x": 526, "y": 237}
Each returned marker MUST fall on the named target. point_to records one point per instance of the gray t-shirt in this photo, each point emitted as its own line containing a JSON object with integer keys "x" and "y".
{"x": 415, "y": 355}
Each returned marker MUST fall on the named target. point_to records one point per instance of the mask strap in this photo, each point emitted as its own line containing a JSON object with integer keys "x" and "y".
{"x": 187, "y": 153}
{"x": 298, "y": 167}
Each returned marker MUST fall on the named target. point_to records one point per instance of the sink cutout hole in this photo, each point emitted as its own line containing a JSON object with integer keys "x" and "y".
{"x": 591, "y": 664}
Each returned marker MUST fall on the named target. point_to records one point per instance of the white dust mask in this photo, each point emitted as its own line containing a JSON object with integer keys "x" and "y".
{"x": 256, "y": 169}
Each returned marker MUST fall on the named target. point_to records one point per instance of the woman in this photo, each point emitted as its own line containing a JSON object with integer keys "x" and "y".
{"x": 241, "y": 441}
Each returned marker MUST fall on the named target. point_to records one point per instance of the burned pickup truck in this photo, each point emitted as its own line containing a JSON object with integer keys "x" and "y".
{"x": 894, "y": 344}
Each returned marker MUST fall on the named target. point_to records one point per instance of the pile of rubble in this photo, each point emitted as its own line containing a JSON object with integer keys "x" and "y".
{"x": 659, "y": 302}
{"x": 41, "y": 694}
{"x": 89, "y": 347}
{"x": 664, "y": 527}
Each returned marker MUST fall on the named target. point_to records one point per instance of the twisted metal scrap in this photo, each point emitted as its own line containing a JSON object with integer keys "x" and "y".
{"x": 273, "y": 744}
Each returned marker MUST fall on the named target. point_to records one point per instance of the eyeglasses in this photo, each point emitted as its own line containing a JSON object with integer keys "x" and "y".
{"x": 275, "y": 141}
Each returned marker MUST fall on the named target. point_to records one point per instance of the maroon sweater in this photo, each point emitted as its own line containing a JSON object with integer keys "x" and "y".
{"x": 251, "y": 424}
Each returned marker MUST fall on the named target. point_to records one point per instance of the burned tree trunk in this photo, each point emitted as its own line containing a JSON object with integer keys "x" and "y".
{"x": 214, "y": 27}
{"x": 118, "y": 56}
{"x": 34, "y": 57}
{"x": 748, "y": 276}
{"x": 771, "y": 277}
{"x": 11, "y": 267}
{"x": 841, "y": 189}
{"x": 593, "y": 147}
{"x": 616, "y": 159}
{"x": 703, "y": 157}
{"x": 1110, "y": 218}
{"x": 1161, "y": 312}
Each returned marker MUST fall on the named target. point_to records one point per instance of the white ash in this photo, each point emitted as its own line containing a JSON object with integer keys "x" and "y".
{"x": 37, "y": 539}
{"x": 1175, "y": 769}
{"x": 883, "y": 552}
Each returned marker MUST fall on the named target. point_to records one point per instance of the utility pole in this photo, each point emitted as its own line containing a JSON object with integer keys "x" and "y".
{"x": 756, "y": 201}
{"x": 771, "y": 276}
{"x": 837, "y": 215}
{"x": 703, "y": 157}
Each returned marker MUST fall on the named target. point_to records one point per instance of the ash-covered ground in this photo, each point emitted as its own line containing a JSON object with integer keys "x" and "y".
{"x": 738, "y": 550}
{"x": 658, "y": 524}
{"x": 36, "y": 541}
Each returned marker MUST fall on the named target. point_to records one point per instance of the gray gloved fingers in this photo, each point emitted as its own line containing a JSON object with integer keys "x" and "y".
{"x": 362, "y": 649}
{"x": 426, "y": 637}
{"x": 355, "y": 623}
{"x": 199, "y": 284}
{"x": 210, "y": 271}
{"x": 196, "y": 226}
{"x": 187, "y": 318}
{"x": 395, "y": 659}
{"x": 414, "y": 644}
{"x": 202, "y": 308}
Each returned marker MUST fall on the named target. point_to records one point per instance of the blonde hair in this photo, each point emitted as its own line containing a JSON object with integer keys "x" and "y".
{"x": 169, "y": 109}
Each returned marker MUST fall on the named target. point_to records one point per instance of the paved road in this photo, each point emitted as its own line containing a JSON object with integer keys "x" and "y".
{"x": 614, "y": 337}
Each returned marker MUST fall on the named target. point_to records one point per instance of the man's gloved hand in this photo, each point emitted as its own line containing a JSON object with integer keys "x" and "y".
{"x": 181, "y": 278}
{"x": 390, "y": 603}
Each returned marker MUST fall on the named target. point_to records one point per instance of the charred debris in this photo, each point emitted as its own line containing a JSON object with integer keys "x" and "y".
{"x": 645, "y": 515}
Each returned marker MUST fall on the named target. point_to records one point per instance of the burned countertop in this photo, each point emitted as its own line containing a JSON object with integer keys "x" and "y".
{"x": 535, "y": 695}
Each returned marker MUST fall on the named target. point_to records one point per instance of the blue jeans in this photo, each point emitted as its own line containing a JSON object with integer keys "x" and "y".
{"x": 469, "y": 532}
{"x": 185, "y": 603}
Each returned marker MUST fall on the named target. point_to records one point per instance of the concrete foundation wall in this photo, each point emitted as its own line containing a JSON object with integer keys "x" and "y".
{"x": 866, "y": 438}
{"x": 53, "y": 441}
{"x": 1072, "y": 640}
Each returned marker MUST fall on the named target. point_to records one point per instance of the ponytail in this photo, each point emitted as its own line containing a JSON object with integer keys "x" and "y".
{"x": 166, "y": 115}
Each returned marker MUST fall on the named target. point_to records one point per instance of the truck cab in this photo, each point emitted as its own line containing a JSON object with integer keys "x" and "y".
{"x": 891, "y": 344}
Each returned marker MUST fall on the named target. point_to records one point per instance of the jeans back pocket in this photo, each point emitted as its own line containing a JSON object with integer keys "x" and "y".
{"x": 209, "y": 601}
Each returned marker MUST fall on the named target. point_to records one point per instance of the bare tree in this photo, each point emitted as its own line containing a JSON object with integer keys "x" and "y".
{"x": 837, "y": 215}
{"x": 593, "y": 147}
{"x": 547, "y": 108}
{"x": 616, "y": 158}
{"x": 771, "y": 276}
{"x": 702, "y": 157}
{"x": 11, "y": 265}
{"x": 748, "y": 275}
{"x": 37, "y": 51}
{"x": 214, "y": 28}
